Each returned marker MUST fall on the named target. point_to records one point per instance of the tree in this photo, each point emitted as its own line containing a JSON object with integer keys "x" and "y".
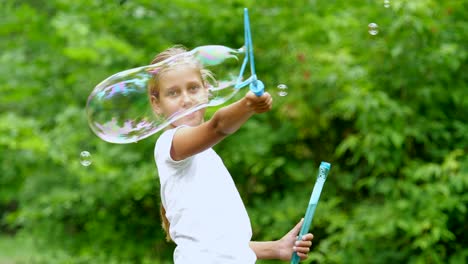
{"x": 388, "y": 111}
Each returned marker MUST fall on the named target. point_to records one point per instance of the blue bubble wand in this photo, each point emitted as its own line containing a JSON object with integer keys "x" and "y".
{"x": 314, "y": 198}
{"x": 255, "y": 85}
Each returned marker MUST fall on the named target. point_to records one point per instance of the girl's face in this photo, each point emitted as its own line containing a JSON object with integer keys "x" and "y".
{"x": 181, "y": 89}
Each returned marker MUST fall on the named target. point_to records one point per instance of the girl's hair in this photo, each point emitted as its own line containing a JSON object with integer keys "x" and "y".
{"x": 153, "y": 90}
{"x": 165, "y": 223}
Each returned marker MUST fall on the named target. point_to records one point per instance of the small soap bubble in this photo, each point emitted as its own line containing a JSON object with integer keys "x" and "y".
{"x": 386, "y": 3}
{"x": 282, "y": 90}
{"x": 373, "y": 29}
{"x": 85, "y": 158}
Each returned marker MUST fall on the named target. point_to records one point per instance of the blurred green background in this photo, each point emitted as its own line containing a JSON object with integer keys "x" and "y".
{"x": 389, "y": 111}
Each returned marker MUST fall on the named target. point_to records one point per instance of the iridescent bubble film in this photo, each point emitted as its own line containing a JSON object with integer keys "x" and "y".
{"x": 119, "y": 108}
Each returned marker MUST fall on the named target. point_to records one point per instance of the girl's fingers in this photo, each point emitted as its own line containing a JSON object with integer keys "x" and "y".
{"x": 307, "y": 237}
{"x": 304, "y": 250}
{"x": 263, "y": 108}
{"x": 302, "y": 247}
{"x": 302, "y": 256}
{"x": 306, "y": 244}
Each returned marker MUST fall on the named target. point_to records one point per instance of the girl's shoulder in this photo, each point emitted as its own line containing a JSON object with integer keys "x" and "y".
{"x": 163, "y": 146}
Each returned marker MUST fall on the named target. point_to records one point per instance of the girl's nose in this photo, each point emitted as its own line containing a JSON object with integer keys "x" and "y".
{"x": 186, "y": 99}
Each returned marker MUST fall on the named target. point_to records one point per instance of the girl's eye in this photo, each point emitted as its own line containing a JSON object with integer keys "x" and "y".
{"x": 194, "y": 88}
{"x": 172, "y": 93}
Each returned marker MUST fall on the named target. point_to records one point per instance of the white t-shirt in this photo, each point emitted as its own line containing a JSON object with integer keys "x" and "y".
{"x": 208, "y": 220}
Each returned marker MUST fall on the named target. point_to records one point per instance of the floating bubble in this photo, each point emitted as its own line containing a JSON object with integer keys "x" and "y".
{"x": 282, "y": 90}
{"x": 85, "y": 158}
{"x": 373, "y": 29}
{"x": 386, "y": 3}
{"x": 119, "y": 109}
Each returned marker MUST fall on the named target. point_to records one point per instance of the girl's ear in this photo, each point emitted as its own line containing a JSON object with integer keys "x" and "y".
{"x": 155, "y": 105}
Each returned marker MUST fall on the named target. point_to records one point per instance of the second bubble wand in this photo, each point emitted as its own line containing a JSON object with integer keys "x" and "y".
{"x": 314, "y": 199}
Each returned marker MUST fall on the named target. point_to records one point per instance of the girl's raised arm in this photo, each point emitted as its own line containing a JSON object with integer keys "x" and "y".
{"x": 189, "y": 141}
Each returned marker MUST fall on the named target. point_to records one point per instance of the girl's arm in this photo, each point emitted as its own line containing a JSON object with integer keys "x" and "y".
{"x": 283, "y": 249}
{"x": 189, "y": 141}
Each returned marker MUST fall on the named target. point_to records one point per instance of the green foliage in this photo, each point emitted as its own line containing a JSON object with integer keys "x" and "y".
{"x": 389, "y": 112}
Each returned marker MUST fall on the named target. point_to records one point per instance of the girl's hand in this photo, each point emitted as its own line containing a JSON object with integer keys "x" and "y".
{"x": 259, "y": 104}
{"x": 289, "y": 244}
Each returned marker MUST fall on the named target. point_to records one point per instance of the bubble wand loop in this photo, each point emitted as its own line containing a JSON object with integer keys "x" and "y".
{"x": 314, "y": 198}
{"x": 255, "y": 85}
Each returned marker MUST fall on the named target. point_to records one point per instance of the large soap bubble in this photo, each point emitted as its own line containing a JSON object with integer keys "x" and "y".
{"x": 119, "y": 109}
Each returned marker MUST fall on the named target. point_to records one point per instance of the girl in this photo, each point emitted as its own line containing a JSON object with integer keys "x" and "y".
{"x": 201, "y": 208}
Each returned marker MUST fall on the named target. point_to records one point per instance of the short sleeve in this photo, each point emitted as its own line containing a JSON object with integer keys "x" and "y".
{"x": 162, "y": 154}
{"x": 162, "y": 151}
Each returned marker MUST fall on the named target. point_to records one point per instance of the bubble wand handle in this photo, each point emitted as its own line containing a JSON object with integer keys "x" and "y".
{"x": 314, "y": 198}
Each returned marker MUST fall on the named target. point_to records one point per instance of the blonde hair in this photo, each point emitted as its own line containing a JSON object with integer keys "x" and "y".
{"x": 165, "y": 223}
{"x": 153, "y": 90}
